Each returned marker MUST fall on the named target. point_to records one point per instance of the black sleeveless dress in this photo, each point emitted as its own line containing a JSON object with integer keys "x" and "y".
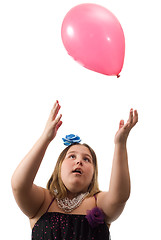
{"x": 61, "y": 226}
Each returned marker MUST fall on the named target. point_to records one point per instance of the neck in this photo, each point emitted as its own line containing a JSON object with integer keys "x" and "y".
{"x": 71, "y": 195}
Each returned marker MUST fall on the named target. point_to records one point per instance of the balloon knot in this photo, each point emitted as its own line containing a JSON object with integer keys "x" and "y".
{"x": 118, "y": 76}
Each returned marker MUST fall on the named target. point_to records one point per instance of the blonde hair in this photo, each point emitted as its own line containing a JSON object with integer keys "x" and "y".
{"x": 55, "y": 184}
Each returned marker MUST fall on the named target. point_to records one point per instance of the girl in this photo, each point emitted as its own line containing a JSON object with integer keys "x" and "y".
{"x": 72, "y": 206}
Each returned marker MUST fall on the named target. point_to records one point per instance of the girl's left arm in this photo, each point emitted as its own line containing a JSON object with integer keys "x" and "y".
{"x": 113, "y": 201}
{"x": 119, "y": 189}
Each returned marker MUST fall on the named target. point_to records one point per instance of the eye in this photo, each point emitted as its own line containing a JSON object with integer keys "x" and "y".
{"x": 87, "y": 159}
{"x": 72, "y": 156}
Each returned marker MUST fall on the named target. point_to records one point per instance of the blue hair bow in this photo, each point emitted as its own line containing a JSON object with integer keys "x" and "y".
{"x": 71, "y": 139}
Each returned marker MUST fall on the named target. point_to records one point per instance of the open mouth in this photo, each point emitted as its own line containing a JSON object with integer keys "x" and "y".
{"x": 77, "y": 171}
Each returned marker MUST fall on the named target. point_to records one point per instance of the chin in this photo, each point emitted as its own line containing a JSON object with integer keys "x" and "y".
{"x": 76, "y": 187}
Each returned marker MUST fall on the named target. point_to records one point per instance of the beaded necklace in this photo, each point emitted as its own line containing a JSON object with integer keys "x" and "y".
{"x": 68, "y": 205}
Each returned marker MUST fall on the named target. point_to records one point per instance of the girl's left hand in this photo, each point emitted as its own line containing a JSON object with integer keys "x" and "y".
{"x": 124, "y": 129}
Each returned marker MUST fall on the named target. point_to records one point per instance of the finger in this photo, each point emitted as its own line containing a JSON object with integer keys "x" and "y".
{"x": 55, "y": 110}
{"x": 57, "y": 120}
{"x": 58, "y": 125}
{"x": 54, "y": 106}
{"x": 135, "y": 119}
{"x": 121, "y": 124}
{"x": 130, "y": 120}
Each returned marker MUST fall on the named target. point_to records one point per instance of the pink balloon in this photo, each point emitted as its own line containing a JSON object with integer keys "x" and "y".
{"x": 93, "y": 36}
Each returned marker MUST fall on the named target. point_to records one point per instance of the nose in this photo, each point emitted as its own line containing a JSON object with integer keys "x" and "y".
{"x": 79, "y": 161}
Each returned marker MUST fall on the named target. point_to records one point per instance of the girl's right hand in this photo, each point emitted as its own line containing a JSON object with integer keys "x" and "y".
{"x": 53, "y": 123}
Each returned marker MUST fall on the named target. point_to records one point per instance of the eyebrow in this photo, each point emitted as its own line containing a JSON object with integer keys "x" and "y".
{"x": 86, "y": 154}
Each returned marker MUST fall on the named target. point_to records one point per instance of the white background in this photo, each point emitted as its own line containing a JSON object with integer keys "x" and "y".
{"x": 35, "y": 70}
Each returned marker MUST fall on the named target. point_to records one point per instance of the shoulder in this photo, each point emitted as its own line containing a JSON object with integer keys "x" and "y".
{"x": 47, "y": 200}
{"x": 111, "y": 210}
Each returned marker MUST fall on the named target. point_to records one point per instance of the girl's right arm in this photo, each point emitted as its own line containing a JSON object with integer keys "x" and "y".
{"x": 28, "y": 196}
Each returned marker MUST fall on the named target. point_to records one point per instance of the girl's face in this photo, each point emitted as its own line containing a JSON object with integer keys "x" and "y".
{"x": 77, "y": 169}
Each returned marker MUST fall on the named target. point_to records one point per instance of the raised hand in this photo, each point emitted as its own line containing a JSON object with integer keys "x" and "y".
{"x": 53, "y": 123}
{"x": 124, "y": 129}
